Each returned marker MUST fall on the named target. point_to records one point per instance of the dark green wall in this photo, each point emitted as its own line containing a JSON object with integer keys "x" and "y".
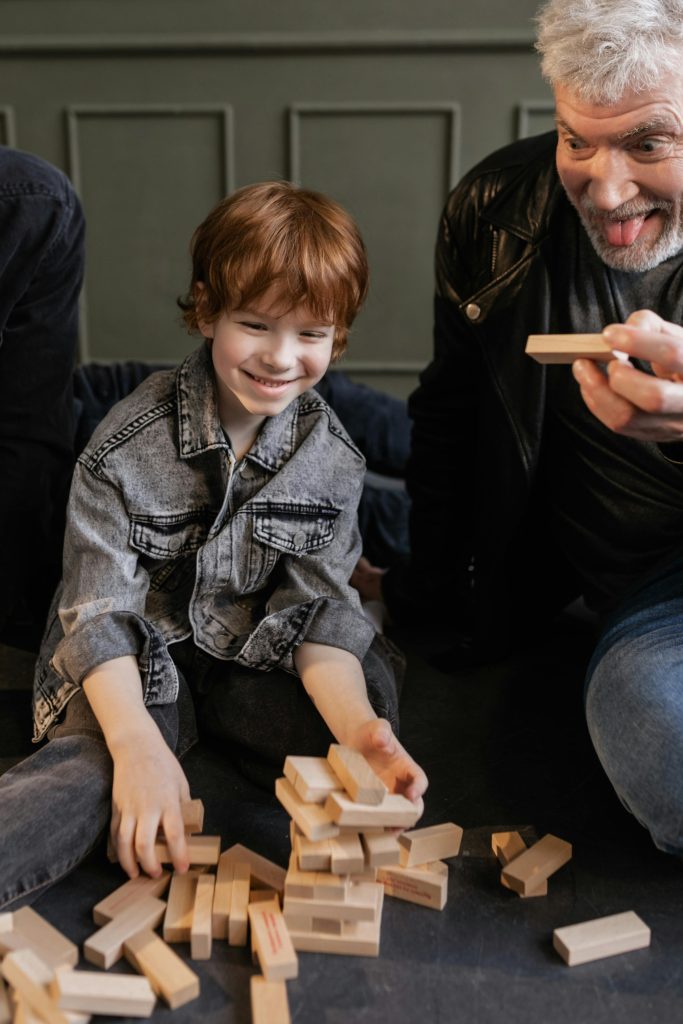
{"x": 158, "y": 107}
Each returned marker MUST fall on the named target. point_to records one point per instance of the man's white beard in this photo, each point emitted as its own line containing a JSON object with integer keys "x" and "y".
{"x": 640, "y": 255}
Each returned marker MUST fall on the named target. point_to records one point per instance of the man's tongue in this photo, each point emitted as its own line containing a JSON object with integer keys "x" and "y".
{"x": 624, "y": 232}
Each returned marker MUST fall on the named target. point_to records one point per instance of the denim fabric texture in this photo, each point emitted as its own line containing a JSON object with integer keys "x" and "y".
{"x": 168, "y": 537}
{"x": 41, "y": 269}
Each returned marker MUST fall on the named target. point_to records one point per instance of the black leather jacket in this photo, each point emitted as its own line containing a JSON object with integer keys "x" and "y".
{"x": 478, "y": 413}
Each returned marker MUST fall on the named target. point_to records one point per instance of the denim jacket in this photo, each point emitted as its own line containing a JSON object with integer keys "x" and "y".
{"x": 168, "y": 537}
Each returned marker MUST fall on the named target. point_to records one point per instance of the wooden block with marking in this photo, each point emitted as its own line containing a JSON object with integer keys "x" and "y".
{"x": 30, "y": 976}
{"x": 346, "y": 855}
{"x": 168, "y": 975}
{"x": 272, "y": 943}
{"x": 313, "y": 855}
{"x": 395, "y": 811}
{"x": 178, "y": 917}
{"x": 47, "y": 942}
{"x": 120, "y": 995}
{"x": 537, "y": 863}
{"x": 201, "y": 929}
{"x": 269, "y": 1003}
{"x": 363, "y": 903}
{"x": 265, "y": 874}
{"x": 239, "y": 904}
{"x": 358, "y": 938}
{"x": 436, "y": 842}
{"x": 507, "y": 846}
{"x": 129, "y": 893}
{"x": 312, "y": 778}
{"x": 427, "y": 888}
{"x": 565, "y": 348}
{"x": 313, "y": 819}
{"x": 200, "y": 850}
{"x": 605, "y": 936}
{"x": 105, "y": 946}
{"x": 356, "y": 775}
{"x": 381, "y": 849}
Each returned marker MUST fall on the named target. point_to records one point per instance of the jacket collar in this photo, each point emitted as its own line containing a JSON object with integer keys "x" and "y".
{"x": 525, "y": 204}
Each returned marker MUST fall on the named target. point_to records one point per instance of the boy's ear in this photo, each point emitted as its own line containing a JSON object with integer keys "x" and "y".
{"x": 205, "y": 327}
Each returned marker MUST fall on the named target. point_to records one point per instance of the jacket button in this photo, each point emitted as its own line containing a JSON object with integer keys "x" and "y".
{"x": 472, "y": 311}
{"x": 300, "y": 538}
{"x": 222, "y": 642}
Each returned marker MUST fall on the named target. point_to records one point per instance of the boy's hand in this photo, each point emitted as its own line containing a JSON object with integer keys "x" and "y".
{"x": 366, "y": 578}
{"x": 377, "y": 743}
{"x": 149, "y": 785}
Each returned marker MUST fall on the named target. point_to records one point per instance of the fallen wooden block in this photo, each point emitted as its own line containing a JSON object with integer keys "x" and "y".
{"x": 200, "y": 850}
{"x": 30, "y": 976}
{"x": 358, "y": 938}
{"x": 239, "y": 904}
{"x": 272, "y": 943}
{"x": 312, "y": 778}
{"x": 507, "y": 846}
{"x": 423, "y": 845}
{"x": 222, "y": 897}
{"x": 104, "y": 947}
{"x": 395, "y": 811}
{"x": 201, "y": 929}
{"x": 381, "y": 850}
{"x": 269, "y": 1003}
{"x": 357, "y": 777}
{"x": 128, "y": 894}
{"x": 53, "y": 948}
{"x": 180, "y": 908}
{"x": 565, "y": 348}
{"x": 605, "y": 936}
{"x": 168, "y": 975}
{"x": 537, "y": 863}
{"x": 428, "y": 888}
{"x": 313, "y": 819}
{"x": 264, "y": 896}
{"x": 264, "y": 873}
{"x": 120, "y": 995}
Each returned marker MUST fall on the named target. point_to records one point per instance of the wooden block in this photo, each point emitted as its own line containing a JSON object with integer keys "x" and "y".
{"x": 346, "y": 855}
{"x": 426, "y": 888}
{"x": 178, "y": 917}
{"x": 423, "y": 845}
{"x": 201, "y": 929}
{"x": 29, "y": 975}
{"x": 264, "y": 896}
{"x": 129, "y": 893}
{"x": 222, "y": 897}
{"x": 105, "y": 946}
{"x": 313, "y": 855}
{"x": 273, "y": 945}
{"x": 238, "y": 918}
{"x": 120, "y": 995}
{"x": 381, "y": 849}
{"x": 10, "y": 940}
{"x": 52, "y": 947}
{"x": 265, "y": 874}
{"x": 169, "y": 976}
{"x": 363, "y": 903}
{"x": 507, "y": 846}
{"x": 358, "y": 938}
{"x": 369, "y": 875}
{"x": 356, "y": 775}
{"x": 565, "y": 348}
{"x": 5, "y": 1009}
{"x": 299, "y": 883}
{"x": 269, "y": 1003}
{"x": 23, "y": 1014}
{"x": 312, "y": 778}
{"x": 313, "y": 820}
{"x": 200, "y": 849}
{"x": 193, "y": 816}
{"x": 331, "y": 887}
{"x": 395, "y": 811}
{"x": 537, "y": 863}
{"x": 605, "y": 936}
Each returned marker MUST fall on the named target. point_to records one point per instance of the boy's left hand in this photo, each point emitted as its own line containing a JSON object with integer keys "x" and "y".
{"x": 376, "y": 741}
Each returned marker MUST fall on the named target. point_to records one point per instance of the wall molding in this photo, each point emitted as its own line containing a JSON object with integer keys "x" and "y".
{"x": 526, "y": 110}
{"x": 9, "y": 125}
{"x": 401, "y": 368}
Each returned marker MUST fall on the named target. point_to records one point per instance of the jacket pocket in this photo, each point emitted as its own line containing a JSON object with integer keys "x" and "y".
{"x": 294, "y": 529}
{"x": 169, "y": 537}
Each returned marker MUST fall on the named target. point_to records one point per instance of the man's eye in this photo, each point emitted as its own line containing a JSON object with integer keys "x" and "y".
{"x": 647, "y": 146}
{"x": 574, "y": 144}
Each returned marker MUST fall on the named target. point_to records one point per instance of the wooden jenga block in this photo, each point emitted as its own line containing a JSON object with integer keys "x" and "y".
{"x": 30, "y": 976}
{"x": 193, "y": 816}
{"x": 180, "y": 908}
{"x": 120, "y": 995}
{"x": 313, "y": 820}
{"x": 276, "y": 955}
{"x": 129, "y": 893}
{"x": 105, "y": 946}
{"x": 363, "y": 903}
{"x": 537, "y": 863}
{"x": 24, "y": 1014}
{"x": 423, "y": 845}
{"x": 358, "y": 938}
{"x": 169, "y": 976}
{"x": 313, "y": 855}
{"x": 605, "y": 936}
{"x": 356, "y": 775}
{"x": 239, "y": 904}
{"x": 312, "y": 778}
{"x": 52, "y": 947}
{"x": 507, "y": 846}
{"x": 331, "y": 887}
{"x": 565, "y": 348}
{"x": 201, "y": 928}
{"x": 427, "y": 888}
{"x": 395, "y": 811}
{"x": 346, "y": 855}
{"x": 222, "y": 897}
{"x": 10, "y": 940}
{"x": 381, "y": 849}
{"x": 269, "y": 1003}
{"x": 265, "y": 874}
{"x": 200, "y": 850}
{"x": 5, "y": 1009}
{"x": 264, "y": 896}
{"x": 368, "y": 875}
{"x": 299, "y": 883}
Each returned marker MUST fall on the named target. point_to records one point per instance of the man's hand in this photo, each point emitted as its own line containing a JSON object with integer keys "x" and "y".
{"x": 629, "y": 401}
{"x": 377, "y": 743}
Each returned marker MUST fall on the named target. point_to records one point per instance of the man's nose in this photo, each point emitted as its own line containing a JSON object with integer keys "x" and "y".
{"x": 610, "y": 181}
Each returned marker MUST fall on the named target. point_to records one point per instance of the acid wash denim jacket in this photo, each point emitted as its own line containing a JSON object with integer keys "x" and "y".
{"x": 168, "y": 537}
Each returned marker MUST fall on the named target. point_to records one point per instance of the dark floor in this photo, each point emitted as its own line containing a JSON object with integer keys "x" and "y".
{"x": 504, "y": 746}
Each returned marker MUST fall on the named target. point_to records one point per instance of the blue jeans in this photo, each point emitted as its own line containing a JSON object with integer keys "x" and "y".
{"x": 634, "y": 705}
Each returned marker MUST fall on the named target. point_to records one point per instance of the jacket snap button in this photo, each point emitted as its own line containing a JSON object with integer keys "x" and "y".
{"x": 472, "y": 311}
{"x": 222, "y": 642}
{"x": 300, "y": 538}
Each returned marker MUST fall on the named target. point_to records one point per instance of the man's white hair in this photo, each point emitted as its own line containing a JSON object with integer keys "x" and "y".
{"x": 601, "y": 49}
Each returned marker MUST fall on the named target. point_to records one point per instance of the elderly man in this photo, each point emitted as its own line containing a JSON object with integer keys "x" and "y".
{"x": 533, "y": 484}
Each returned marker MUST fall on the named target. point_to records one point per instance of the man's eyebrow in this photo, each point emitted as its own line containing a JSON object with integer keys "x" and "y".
{"x": 656, "y": 124}
{"x": 566, "y": 127}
